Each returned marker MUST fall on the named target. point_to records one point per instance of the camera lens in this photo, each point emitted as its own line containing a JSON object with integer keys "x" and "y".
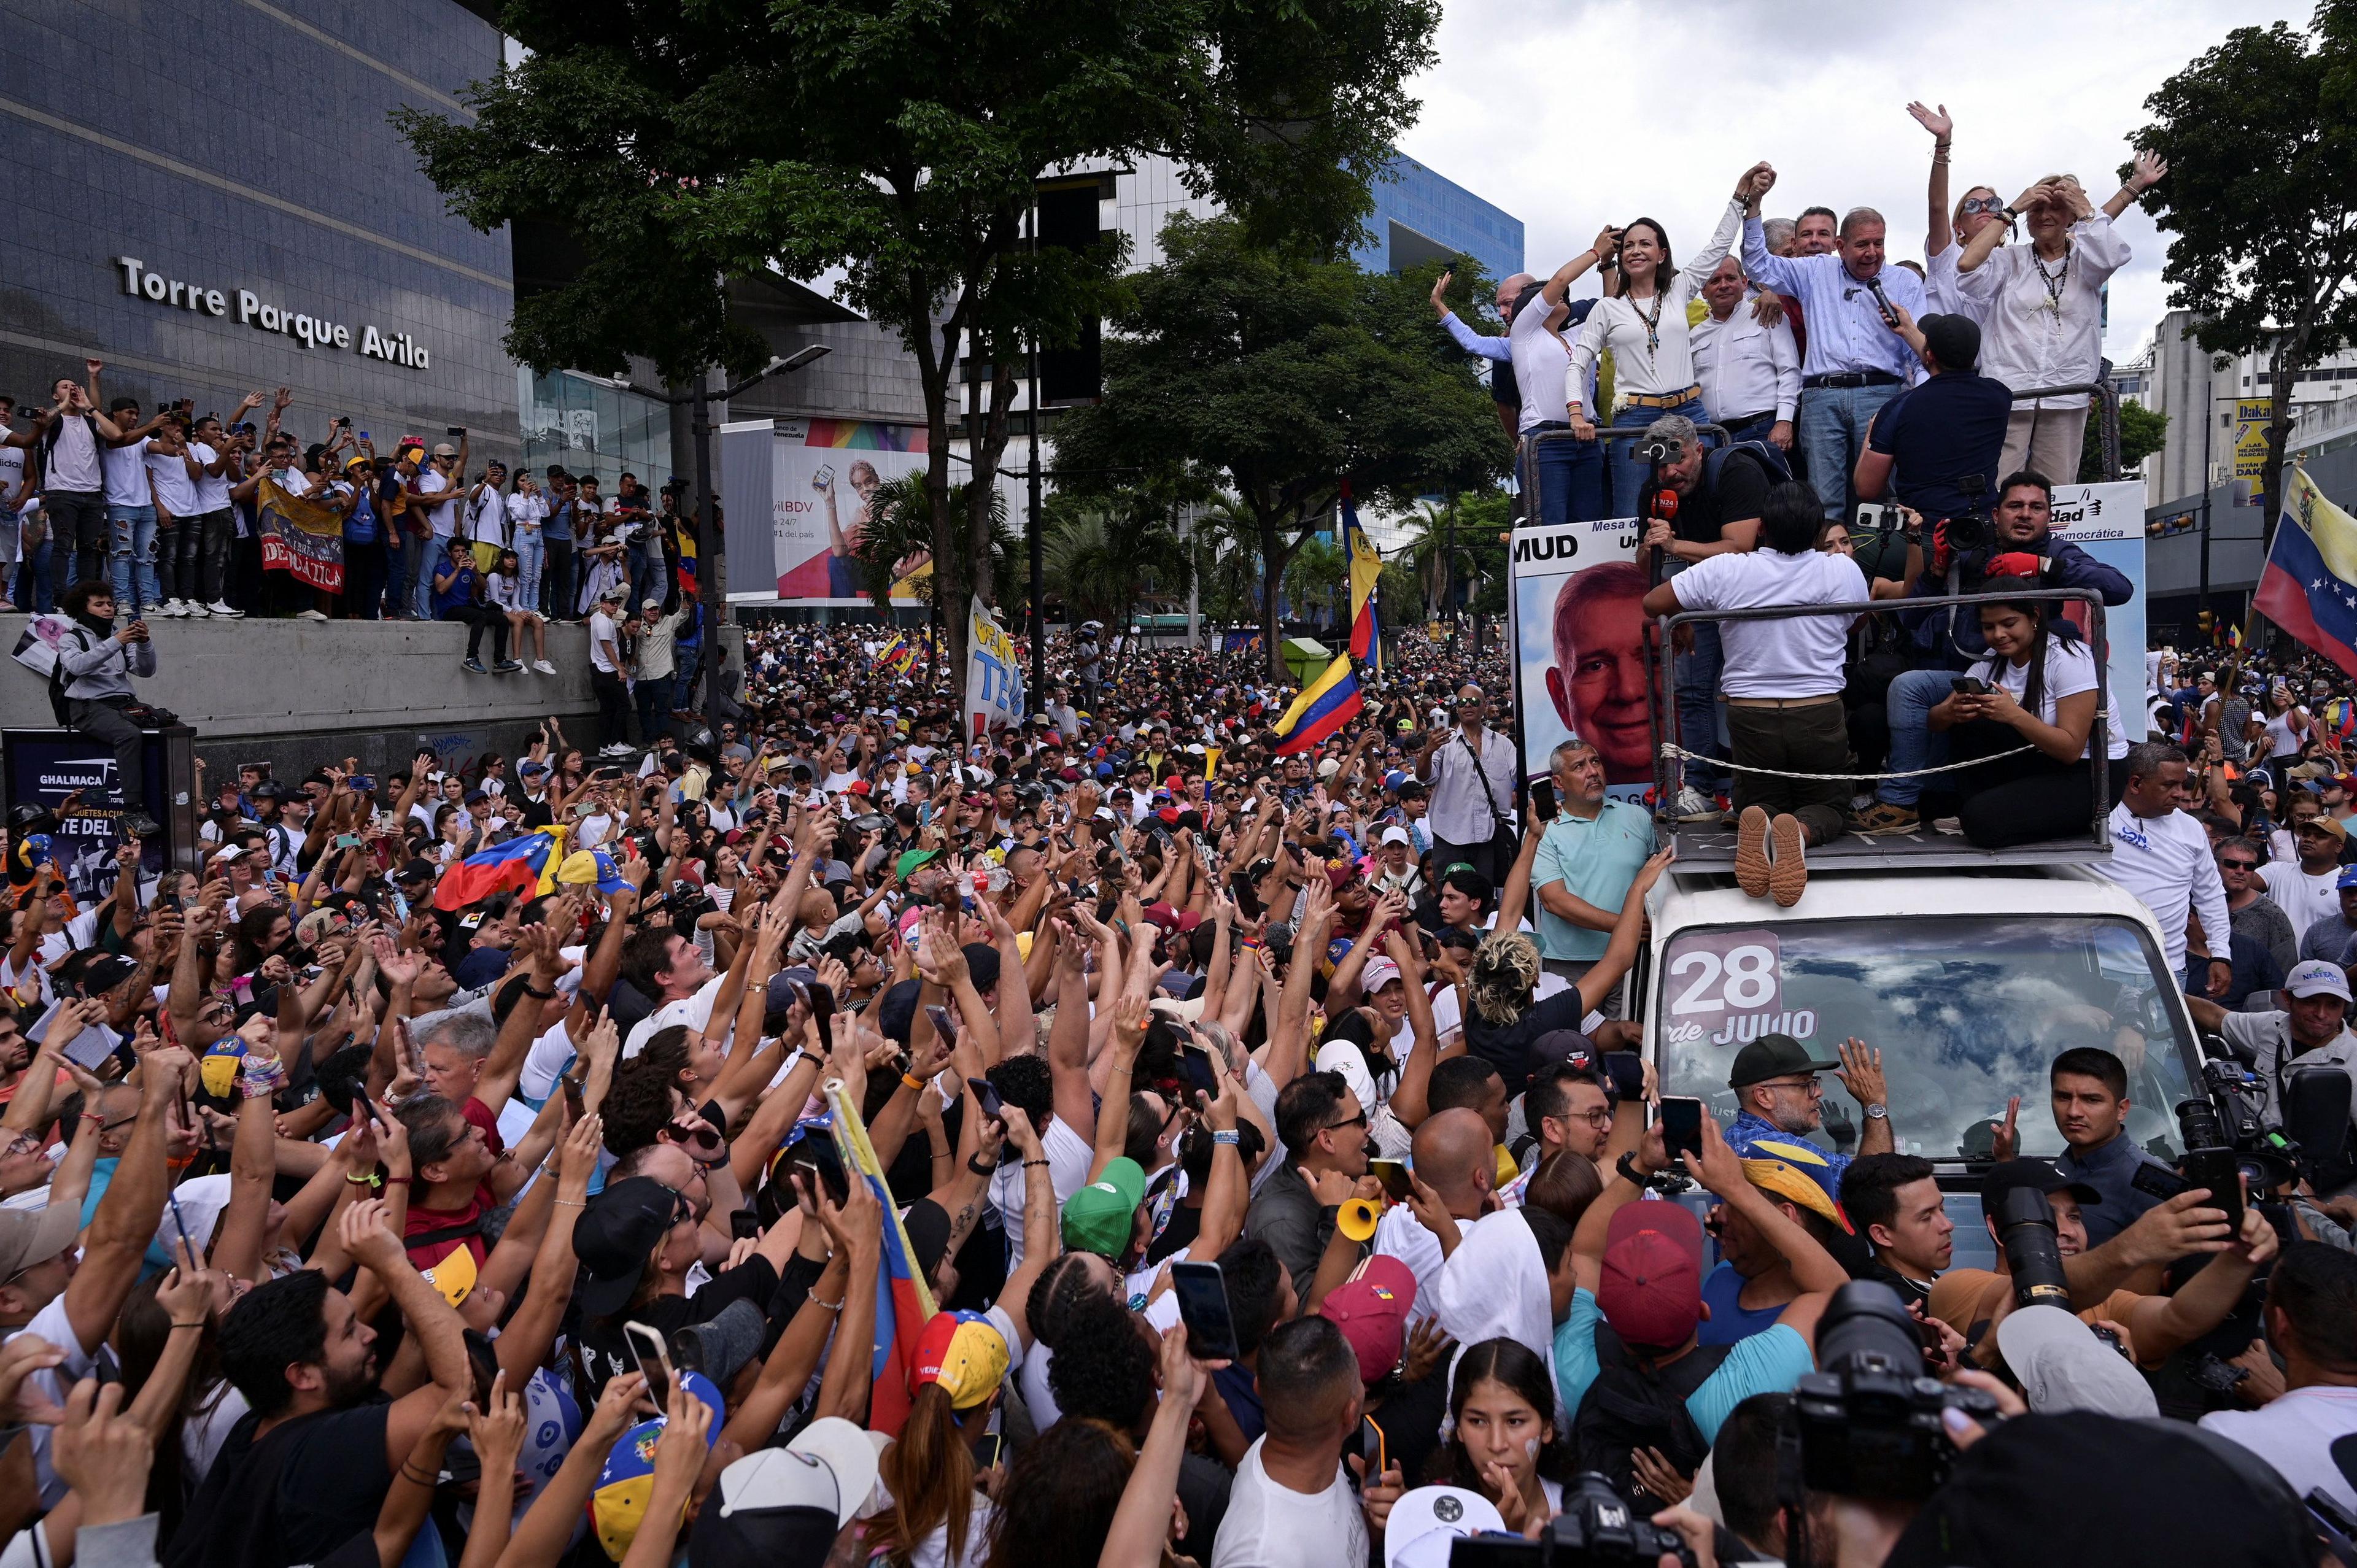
{"x": 1866, "y": 1318}
{"x": 2025, "y": 1227}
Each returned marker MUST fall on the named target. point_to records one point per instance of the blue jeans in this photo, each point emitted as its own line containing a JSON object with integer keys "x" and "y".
{"x": 1832, "y": 431}
{"x": 1630, "y": 472}
{"x": 1914, "y": 742}
{"x": 530, "y": 556}
{"x": 131, "y": 551}
{"x": 1696, "y": 674}
{"x": 1755, "y": 429}
{"x": 35, "y": 565}
{"x": 1566, "y": 475}
{"x": 429, "y": 551}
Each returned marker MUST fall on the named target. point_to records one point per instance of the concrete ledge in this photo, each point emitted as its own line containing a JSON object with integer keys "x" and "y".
{"x": 297, "y": 693}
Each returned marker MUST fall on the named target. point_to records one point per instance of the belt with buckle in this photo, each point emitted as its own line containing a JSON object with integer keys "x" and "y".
{"x": 1852, "y": 379}
{"x": 1662, "y": 399}
{"x": 1782, "y": 701}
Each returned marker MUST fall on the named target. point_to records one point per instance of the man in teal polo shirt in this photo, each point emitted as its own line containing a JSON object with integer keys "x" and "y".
{"x": 1591, "y": 853}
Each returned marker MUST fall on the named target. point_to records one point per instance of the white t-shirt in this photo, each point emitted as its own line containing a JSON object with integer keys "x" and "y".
{"x": 695, "y": 1012}
{"x": 12, "y": 474}
{"x": 2295, "y": 1434}
{"x": 1797, "y": 657}
{"x": 127, "y": 474}
{"x": 73, "y": 460}
{"x": 487, "y": 517}
{"x": 213, "y": 489}
{"x": 527, "y": 510}
{"x": 1068, "y": 1156}
{"x": 2306, "y": 897}
{"x": 445, "y": 515}
{"x": 604, "y": 633}
{"x": 173, "y": 490}
{"x": 2070, "y": 670}
{"x": 1272, "y": 1526}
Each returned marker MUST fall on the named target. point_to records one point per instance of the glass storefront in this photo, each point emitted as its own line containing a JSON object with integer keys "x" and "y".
{"x": 593, "y": 428}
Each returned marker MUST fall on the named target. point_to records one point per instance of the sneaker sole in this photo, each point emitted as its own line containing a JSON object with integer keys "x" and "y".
{"x": 1788, "y": 877}
{"x": 1887, "y": 830}
{"x": 1751, "y": 866}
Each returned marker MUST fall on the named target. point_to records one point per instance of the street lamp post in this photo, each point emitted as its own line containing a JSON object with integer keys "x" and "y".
{"x": 708, "y": 532}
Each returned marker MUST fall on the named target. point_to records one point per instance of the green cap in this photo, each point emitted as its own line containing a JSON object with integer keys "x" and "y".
{"x": 1097, "y": 1219}
{"x": 1774, "y": 1056}
{"x": 911, "y": 859}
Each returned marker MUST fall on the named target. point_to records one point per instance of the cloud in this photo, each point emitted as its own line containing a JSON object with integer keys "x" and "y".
{"x": 1573, "y": 115}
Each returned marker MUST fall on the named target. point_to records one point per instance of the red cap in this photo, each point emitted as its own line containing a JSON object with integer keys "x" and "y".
{"x": 859, "y": 787}
{"x": 1161, "y": 913}
{"x": 1341, "y": 874}
{"x": 1169, "y": 815}
{"x": 1651, "y": 1289}
{"x": 1371, "y": 1311}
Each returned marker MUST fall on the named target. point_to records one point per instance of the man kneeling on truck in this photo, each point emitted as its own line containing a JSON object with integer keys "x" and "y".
{"x": 1783, "y": 681}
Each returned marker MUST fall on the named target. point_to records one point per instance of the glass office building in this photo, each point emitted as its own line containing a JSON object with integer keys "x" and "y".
{"x": 215, "y": 201}
{"x": 1422, "y": 216}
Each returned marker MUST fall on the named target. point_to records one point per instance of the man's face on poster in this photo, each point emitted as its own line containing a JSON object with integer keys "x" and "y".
{"x": 1598, "y": 679}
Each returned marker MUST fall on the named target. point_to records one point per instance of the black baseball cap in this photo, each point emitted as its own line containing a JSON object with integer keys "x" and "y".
{"x": 417, "y": 871}
{"x": 1954, "y": 341}
{"x": 615, "y": 1237}
{"x": 2007, "y": 1175}
{"x": 2056, "y": 1491}
{"x": 1773, "y": 1056}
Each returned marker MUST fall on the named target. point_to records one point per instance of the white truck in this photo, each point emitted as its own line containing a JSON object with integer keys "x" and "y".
{"x": 1970, "y": 981}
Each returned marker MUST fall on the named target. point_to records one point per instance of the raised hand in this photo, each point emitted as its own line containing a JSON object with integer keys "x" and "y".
{"x": 1941, "y": 128}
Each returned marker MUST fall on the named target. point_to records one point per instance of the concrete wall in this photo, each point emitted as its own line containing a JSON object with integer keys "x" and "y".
{"x": 298, "y": 694}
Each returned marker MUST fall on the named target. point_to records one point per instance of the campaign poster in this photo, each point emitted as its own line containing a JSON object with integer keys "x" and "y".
{"x": 2107, "y": 522}
{"x": 821, "y": 478}
{"x": 1579, "y": 630}
{"x": 60, "y": 770}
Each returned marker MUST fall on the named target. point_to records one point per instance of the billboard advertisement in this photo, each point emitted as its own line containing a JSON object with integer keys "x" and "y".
{"x": 819, "y": 480}
{"x": 1578, "y": 629}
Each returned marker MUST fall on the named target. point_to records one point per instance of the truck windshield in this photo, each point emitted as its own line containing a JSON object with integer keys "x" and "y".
{"x": 1966, "y": 1012}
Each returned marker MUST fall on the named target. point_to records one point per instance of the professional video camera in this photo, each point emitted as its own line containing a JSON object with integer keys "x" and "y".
{"x": 2033, "y": 1252}
{"x": 1972, "y": 530}
{"x": 1868, "y": 1423}
{"x": 1596, "y": 1529}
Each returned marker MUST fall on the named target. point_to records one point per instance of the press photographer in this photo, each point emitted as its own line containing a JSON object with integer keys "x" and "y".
{"x": 90, "y": 687}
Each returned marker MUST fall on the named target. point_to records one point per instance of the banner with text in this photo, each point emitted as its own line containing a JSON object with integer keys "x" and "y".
{"x": 993, "y": 675}
{"x": 817, "y": 482}
{"x": 301, "y": 537}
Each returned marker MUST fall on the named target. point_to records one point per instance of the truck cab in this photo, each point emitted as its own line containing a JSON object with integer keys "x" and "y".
{"x": 1969, "y": 978}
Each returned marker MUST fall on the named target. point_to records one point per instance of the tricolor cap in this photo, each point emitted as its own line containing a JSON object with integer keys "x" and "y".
{"x": 964, "y": 1354}
{"x": 223, "y": 1060}
{"x": 618, "y": 1504}
{"x": 1796, "y": 1171}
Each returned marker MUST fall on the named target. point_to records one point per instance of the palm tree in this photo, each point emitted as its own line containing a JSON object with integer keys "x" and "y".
{"x": 1103, "y": 556}
{"x": 898, "y": 541}
{"x": 1314, "y": 580}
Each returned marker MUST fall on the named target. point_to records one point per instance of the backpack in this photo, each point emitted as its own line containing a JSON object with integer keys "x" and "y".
{"x": 61, "y": 705}
{"x": 1766, "y": 454}
{"x": 1634, "y": 1405}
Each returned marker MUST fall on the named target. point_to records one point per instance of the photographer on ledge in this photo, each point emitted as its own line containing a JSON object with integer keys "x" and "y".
{"x": 94, "y": 670}
{"x": 2018, "y": 542}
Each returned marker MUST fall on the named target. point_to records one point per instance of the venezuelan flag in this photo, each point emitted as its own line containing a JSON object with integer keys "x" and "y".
{"x": 514, "y": 866}
{"x": 687, "y": 570}
{"x": 2341, "y": 714}
{"x": 2309, "y": 586}
{"x": 1366, "y": 571}
{"x": 903, "y": 1300}
{"x": 895, "y": 655}
{"x": 1324, "y": 705}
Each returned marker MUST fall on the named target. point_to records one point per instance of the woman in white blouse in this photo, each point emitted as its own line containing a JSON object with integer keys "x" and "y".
{"x": 2042, "y": 310}
{"x": 1643, "y": 322}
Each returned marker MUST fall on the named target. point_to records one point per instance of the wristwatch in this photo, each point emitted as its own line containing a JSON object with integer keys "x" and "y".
{"x": 1876, "y": 1112}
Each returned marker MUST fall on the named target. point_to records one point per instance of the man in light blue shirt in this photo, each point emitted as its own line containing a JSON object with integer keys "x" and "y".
{"x": 1589, "y": 857}
{"x": 1856, "y": 360}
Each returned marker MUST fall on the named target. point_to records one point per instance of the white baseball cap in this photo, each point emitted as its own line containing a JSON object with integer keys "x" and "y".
{"x": 1437, "y": 1517}
{"x": 2317, "y": 977}
{"x": 1378, "y": 973}
{"x": 2063, "y": 1367}
{"x": 1398, "y": 835}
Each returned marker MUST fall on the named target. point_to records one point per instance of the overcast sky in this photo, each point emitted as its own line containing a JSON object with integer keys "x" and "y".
{"x": 1570, "y": 114}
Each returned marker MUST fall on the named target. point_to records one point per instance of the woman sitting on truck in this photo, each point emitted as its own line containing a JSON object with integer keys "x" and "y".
{"x": 2037, "y": 688}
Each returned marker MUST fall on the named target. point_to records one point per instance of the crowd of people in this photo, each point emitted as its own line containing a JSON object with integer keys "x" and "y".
{"x": 1106, "y": 1141}
{"x": 165, "y": 505}
{"x": 1136, "y": 1136}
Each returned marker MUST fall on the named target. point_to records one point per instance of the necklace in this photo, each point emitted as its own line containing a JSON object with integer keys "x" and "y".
{"x": 2055, "y": 282}
{"x": 1652, "y": 320}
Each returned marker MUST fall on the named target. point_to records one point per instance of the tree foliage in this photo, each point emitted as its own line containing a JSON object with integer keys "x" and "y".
{"x": 2143, "y": 431}
{"x": 1285, "y": 373}
{"x": 2261, "y": 138}
{"x": 902, "y": 140}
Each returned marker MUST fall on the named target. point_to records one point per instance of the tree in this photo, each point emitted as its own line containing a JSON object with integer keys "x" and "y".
{"x": 2142, "y": 432}
{"x": 2261, "y": 136}
{"x": 902, "y": 140}
{"x": 1103, "y": 557}
{"x": 1286, "y": 372}
{"x": 899, "y": 533}
{"x": 1314, "y": 581}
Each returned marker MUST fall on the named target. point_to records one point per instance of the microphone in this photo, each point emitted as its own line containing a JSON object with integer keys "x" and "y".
{"x": 1882, "y": 301}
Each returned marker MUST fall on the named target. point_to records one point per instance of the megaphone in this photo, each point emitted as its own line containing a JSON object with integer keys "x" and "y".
{"x": 1356, "y": 1217}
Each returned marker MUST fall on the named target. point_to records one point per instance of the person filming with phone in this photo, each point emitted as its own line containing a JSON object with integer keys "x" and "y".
{"x": 96, "y": 663}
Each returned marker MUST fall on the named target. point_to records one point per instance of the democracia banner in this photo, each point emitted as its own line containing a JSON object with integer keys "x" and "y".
{"x": 301, "y": 537}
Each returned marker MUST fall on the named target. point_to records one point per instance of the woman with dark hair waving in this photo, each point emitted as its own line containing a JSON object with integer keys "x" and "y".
{"x": 1643, "y": 322}
{"x": 2037, "y": 688}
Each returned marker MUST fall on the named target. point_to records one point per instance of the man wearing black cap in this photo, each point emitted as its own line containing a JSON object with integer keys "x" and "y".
{"x": 1775, "y": 1082}
{"x": 1941, "y": 435}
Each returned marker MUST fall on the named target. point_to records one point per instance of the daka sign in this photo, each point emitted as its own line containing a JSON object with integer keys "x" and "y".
{"x": 268, "y": 315}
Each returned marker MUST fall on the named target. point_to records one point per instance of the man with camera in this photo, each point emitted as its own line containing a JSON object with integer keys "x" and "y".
{"x": 2312, "y": 1032}
{"x": 2018, "y": 542}
{"x": 95, "y": 665}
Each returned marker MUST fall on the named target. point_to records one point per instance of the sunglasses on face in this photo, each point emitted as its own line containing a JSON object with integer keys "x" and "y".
{"x": 2239, "y": 865}
{"x": 1983, "y": 204}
